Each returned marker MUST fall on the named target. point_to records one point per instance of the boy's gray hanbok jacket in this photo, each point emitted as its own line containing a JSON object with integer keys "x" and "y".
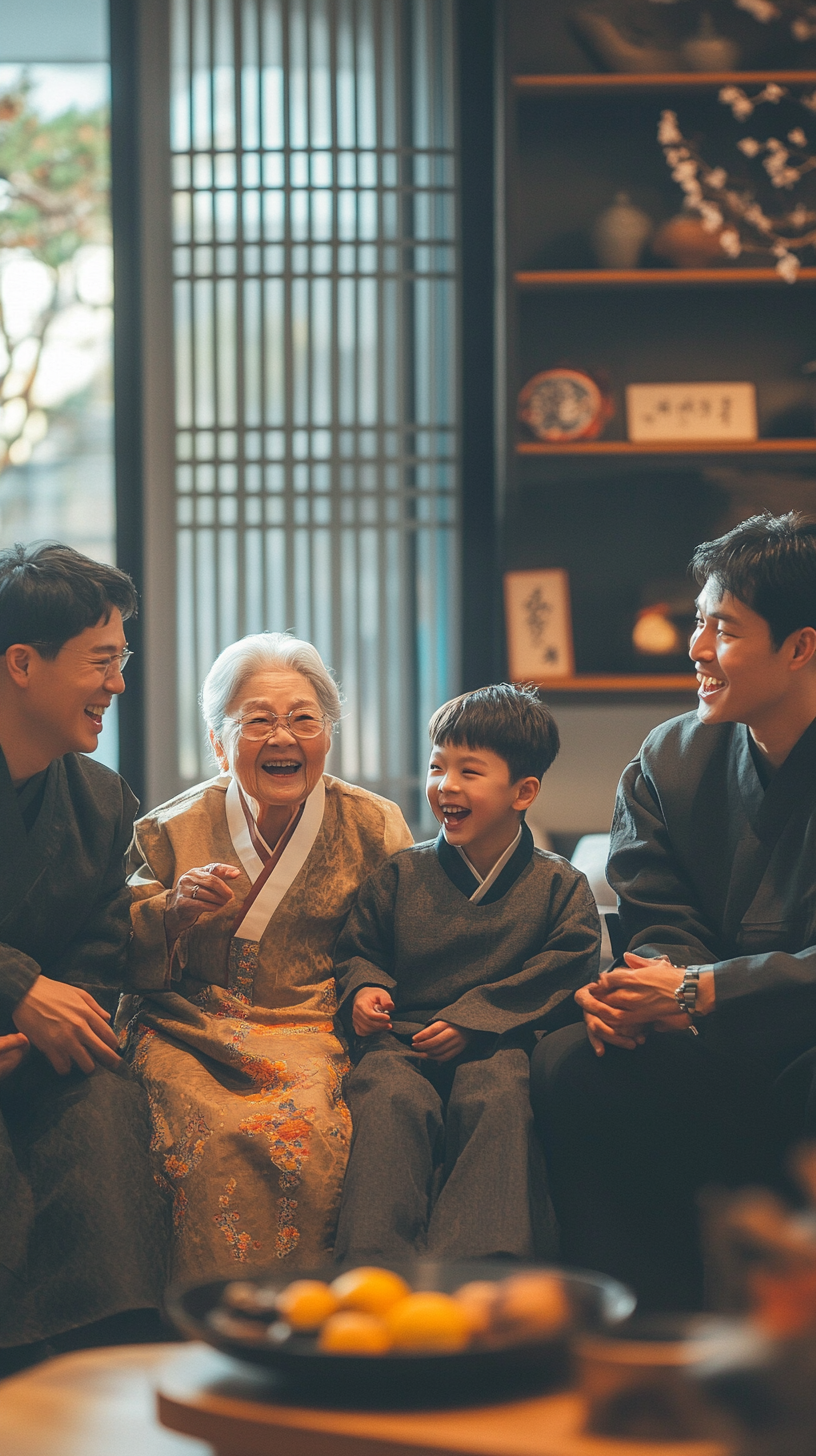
{"x": 505, "y": 966}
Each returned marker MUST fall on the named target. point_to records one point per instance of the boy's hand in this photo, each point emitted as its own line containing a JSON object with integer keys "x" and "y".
{"x": 440, "y": 1041}
{"x": 371, "y": 1010}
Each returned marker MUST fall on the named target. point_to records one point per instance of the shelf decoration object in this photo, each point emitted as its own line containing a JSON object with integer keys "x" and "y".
{"x": 539, "y": 625}
{"x": 656, "y": 634}
{"x": 625, "y": 38}
{"x": 697, "y": 412}
{"x": 562, "y": 405}
{"x": 620, "y": 233}
{"x": 729, "y": 210}
{"x": 687, "y": 243}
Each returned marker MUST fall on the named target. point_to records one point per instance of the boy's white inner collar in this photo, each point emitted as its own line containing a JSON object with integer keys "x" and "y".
{"x": 484, "y": 884}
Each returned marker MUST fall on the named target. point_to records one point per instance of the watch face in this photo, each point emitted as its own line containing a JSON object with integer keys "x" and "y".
{"x": 563, "y": 404}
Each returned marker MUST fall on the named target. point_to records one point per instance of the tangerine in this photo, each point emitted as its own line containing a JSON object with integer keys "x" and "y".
{"x": 428, "y": 1321}
{"x": 368, "y": 1289}
{"x": 351, "y": 1332}
{"x": 306, "y": 1303}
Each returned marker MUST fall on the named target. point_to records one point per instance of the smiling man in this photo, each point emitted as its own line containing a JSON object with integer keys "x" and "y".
{"x": 697, "y": 1056}
{"x": 82, "y": 1226}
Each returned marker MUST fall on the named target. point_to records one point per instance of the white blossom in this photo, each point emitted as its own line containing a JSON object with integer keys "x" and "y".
{"x": 711, "y": 216}
{"x": 799, "y": 217}
{"x": 754, "y": 215}
{"x": 741, "y": 105}
{"x": 717, "y": 178}
{"x": 730, "y": 242}
{"x": 749, "y": 146}
{"x": 788, "y": 267}
{"x": 684, "y": 170}
{"x": 802, "y": 29}
{"x": 809, "y": 101}
{"x": 668, "y": 132}
{"x": 772, "y": 93}
{"x": 797, "y": 137}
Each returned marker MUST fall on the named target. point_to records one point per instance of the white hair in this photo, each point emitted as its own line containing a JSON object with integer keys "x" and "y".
{"x": 242, "y": 659}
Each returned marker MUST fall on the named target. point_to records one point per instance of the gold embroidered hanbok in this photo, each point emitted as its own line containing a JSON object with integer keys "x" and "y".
{"x": 233, "y": 1036}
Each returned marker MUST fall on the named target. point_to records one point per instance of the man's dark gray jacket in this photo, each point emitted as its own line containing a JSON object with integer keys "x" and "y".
{"x": 710, "y": 868}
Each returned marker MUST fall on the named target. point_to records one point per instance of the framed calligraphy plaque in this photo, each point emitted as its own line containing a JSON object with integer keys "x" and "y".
{"x": 539, "y": 625}
{"x": 691, "y": 412}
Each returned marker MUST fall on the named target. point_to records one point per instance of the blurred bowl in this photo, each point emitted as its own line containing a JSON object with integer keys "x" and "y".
{"x": 408, "y": 1379}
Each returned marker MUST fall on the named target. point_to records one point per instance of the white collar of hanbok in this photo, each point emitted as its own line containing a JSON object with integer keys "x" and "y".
{"x": 277, "y": 876}
{"x": 492, "y": 876}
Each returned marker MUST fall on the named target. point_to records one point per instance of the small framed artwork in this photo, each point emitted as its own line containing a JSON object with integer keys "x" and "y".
{"x": 539, "y": 625}
{"x": 702, "y": 412}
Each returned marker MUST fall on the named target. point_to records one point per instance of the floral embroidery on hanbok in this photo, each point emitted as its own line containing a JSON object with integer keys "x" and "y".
{"x": 288, "y": 1236}
{"x": 240, "y": 1243}
{"x": 287, "y": 1131}
{"x": 242, "y": 969}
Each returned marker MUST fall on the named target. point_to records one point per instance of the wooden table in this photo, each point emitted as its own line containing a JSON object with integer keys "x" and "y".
{"x": 102, "y": 1403}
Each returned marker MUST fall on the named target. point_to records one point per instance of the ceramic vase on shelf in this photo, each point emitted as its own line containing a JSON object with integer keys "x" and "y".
{"x": 708, "y": 51}
{"x": 620, "y": 234}
{"x": 685, "y": 243}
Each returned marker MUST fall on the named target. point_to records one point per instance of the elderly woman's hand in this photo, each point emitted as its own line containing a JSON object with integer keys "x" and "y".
{"x": 198, "y": 890}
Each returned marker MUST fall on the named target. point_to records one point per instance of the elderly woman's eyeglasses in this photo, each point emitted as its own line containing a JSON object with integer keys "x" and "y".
{"x": 257, "y": 727}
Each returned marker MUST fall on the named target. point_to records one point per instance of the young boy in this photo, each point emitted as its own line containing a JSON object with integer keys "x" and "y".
{"x": 457, "y": 951}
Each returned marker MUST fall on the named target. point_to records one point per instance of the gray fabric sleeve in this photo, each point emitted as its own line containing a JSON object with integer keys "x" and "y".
{"x": 535, "y": 994}
{"x": 18, "y": 972}
{"x": 364, "y": 954}
{"x": 96, "y": 958}
{"x": 657, "y": 904}
{"x": 765, "y": 1006}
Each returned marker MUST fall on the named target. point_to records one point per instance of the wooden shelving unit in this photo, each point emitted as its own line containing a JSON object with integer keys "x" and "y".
{"x": 542, "y": 279}
{"x": 580, "y": 85}
{"x": 670, "y": 447}
{"x": 625, "y": 536}
{"x": 654, "y": 682}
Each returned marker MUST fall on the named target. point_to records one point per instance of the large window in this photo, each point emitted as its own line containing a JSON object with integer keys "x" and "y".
{"x": 56, "y": 399}
{"x": 316, "y": 297}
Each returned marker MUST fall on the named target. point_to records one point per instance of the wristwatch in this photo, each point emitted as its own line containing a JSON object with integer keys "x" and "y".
{"x": 686, "y": 995}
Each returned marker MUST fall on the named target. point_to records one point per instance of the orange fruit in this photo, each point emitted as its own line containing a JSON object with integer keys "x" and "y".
{"x": 306, "y": 1303}
{"x": 533, "y": 1304}
{"x": 478, "y": 1299}
{"x": 350, "y": 1332}
{"x": 428, "y": 1321}
{"x": 368, "y": 1289}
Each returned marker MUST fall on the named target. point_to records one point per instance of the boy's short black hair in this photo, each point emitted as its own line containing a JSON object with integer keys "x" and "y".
{"x": 50, "y": 593}
{"x": 769, "y": 563}
{"x": 510, "y": 720}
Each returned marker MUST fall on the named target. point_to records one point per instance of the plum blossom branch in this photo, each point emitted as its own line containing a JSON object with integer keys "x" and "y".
{"x": 729, "y": 208}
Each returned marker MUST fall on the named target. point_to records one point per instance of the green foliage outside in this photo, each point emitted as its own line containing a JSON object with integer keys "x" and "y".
{"x": 54, "y": 199}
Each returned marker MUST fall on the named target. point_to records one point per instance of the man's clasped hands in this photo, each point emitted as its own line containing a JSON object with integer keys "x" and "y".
{"x": 624, "y": 1005}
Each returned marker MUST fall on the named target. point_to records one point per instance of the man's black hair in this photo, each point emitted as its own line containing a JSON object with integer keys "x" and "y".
{"x": 510, "y": 720}
{"x": 769, "y": 563}
{"x": 50, "y": 593}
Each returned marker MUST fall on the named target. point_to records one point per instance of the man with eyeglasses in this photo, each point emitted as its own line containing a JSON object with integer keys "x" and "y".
{"x": 82, "y": 1229}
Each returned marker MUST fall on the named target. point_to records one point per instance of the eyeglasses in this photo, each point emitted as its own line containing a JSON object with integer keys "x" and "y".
{"x": 106, "y": 665}
{"x": 103, "y": 665}
{"x": 260, "y": 726}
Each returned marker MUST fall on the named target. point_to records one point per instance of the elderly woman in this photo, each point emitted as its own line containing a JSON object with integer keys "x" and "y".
{"x": 242, "y": 886}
